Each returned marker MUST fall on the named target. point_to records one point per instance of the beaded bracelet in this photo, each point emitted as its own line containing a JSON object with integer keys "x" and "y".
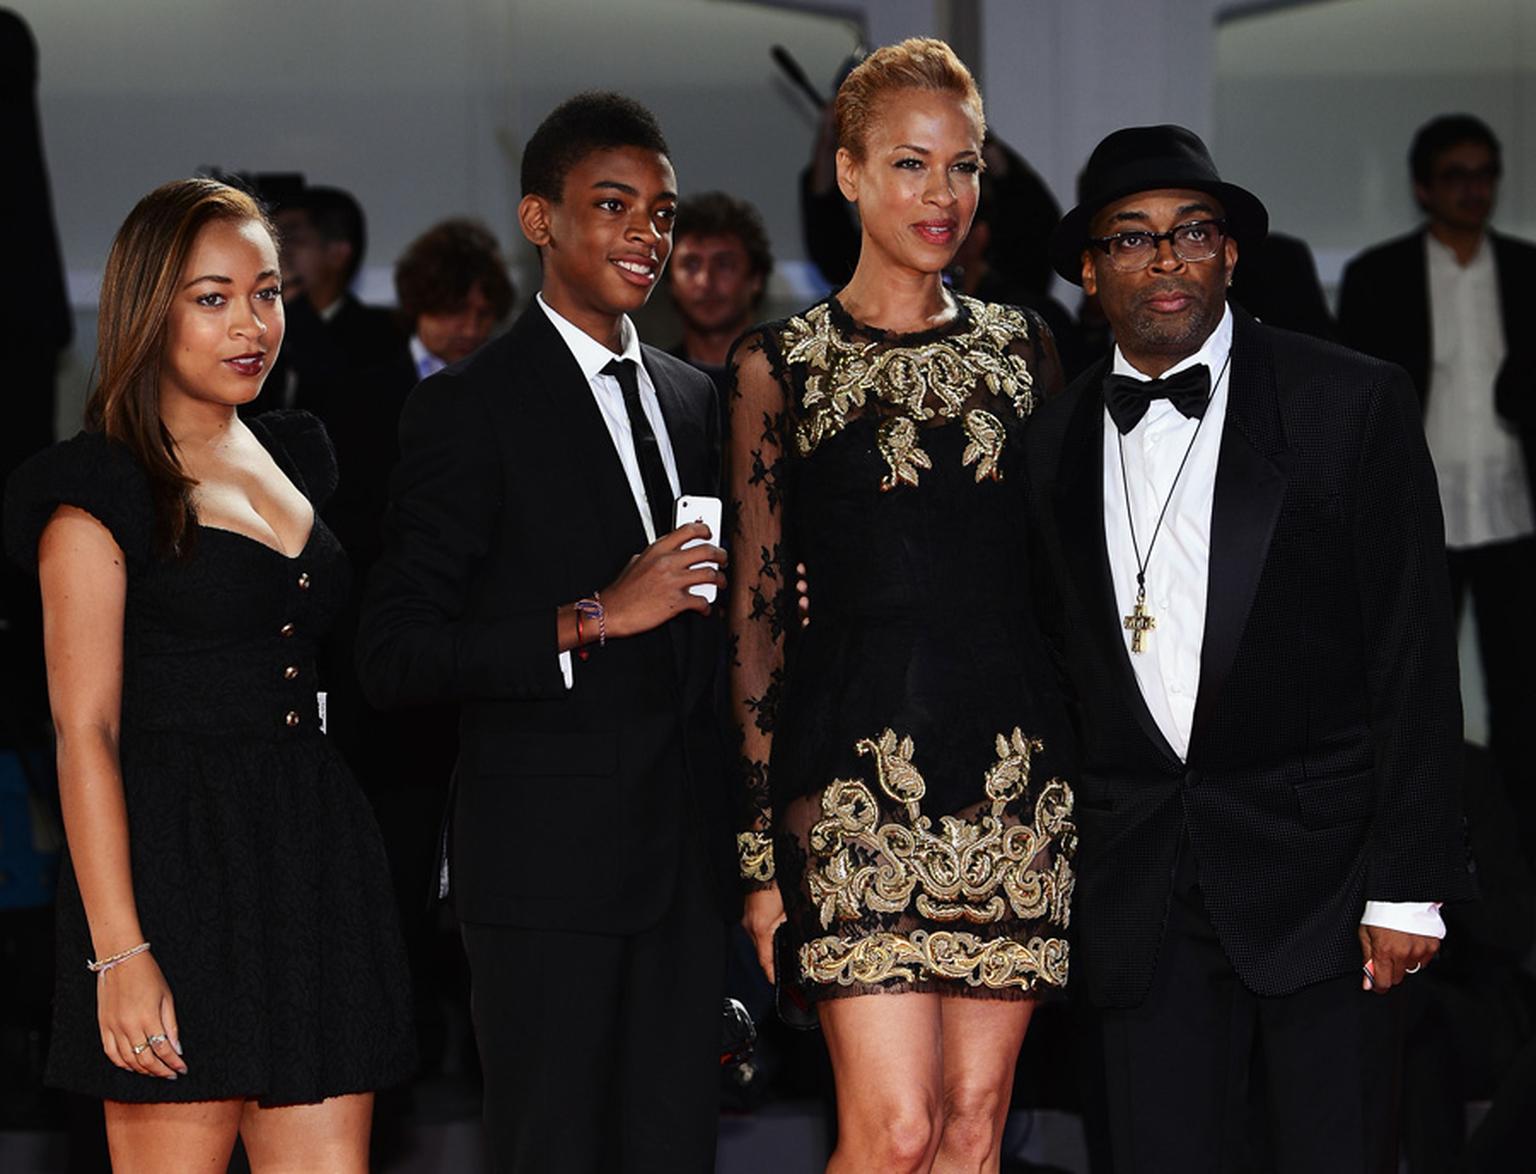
{"x": 107, "y": 964}
{"x": 592, "y": 609}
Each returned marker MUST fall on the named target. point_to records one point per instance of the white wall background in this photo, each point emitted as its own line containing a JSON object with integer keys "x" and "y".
{"x": 1315, "y": 108}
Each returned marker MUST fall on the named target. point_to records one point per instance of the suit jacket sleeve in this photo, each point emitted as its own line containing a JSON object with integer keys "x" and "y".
{"x": 425, "y": 635}
{"x": 1355, "y": 316}
{"x": 1418, "y": 850}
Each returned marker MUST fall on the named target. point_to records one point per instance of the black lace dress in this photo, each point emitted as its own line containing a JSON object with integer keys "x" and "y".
{"x": 906, "y": 756}
{"x": 257, "y": 867}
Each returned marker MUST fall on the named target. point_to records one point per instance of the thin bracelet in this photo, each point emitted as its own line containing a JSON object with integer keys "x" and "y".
{"x": 107, "y": 964}
{"x": 593, "y": 609}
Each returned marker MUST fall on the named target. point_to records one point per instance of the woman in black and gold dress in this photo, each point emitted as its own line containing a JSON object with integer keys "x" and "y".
{"x": 908, "y": 828}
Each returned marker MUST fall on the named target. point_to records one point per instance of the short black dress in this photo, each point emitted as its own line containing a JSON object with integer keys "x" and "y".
{"x": 258, "y": 870}
{"x": 907, "y": 757}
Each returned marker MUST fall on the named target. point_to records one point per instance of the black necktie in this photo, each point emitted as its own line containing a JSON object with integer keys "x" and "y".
{"x": 653, "y": 473}
{"x": 1127, "y": 399}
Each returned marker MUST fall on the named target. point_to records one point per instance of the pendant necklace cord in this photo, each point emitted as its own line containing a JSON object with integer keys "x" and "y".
{"x": 1125, "y": 486}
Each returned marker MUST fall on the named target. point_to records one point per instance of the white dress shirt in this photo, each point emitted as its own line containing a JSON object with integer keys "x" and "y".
{"x": 1178, "y": 571}
{"x": 592, "y": 356}
{"x": 1478, "y": 458}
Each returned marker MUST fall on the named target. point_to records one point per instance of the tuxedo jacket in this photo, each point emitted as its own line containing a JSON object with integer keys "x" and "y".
{"x": 571, "y": 807}
{"x": 1323, "y": 765}
{"x": 1384, "y": 311}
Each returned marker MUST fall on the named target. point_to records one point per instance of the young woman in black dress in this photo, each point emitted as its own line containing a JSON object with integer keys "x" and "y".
{"x": 908, "y": 828}
{"x": 224, "y": 872}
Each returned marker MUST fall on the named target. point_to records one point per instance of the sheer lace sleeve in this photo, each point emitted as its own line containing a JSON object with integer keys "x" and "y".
{"x": 761, "y": 593}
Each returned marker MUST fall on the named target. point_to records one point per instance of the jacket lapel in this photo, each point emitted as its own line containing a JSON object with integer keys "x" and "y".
{"x": 1249, "y": 490}
{"x": 1416, "y": 324}
{"x": 1079, "y": 505}
{"x": 589, "y": 445}
{"x": 687, "y": 440}
{"x": 684, "y": 429}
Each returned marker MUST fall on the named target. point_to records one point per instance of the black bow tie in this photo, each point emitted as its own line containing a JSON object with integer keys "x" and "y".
{"x": 1127, "y": 399}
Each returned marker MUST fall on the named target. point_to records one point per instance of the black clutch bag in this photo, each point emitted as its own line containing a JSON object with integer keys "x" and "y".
{"x": 794, "y": 1008}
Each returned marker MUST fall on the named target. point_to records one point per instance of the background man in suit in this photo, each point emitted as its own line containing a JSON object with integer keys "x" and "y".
{"x": 721, "y": 263}
{"x": 331, "y": 335}
{"x": 453, "y": 290}
{"x": 529, "y": 526}
{"x": 1240, "y": 528}
{"x": 1452, "y": 303}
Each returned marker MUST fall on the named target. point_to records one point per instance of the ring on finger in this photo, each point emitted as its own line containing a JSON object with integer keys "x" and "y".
{"x": 1414, "y": 969}
{"x": 157, "y": 1039}
{"x": 139, "y": 1049}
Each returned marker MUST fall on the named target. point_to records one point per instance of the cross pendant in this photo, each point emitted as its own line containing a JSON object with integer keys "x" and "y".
{"x": 1138, "y": 624}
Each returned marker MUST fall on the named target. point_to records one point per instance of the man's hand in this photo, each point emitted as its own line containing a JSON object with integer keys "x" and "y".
{"x": 654, "y": 587}
{"x": 1390, "y": 954}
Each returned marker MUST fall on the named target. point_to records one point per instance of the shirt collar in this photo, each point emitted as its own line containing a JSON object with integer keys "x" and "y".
{"x": 590, "y": 355}
{"x": 1442, "y": 256}
{"x": 426, "y": 362}
{"x": 1213, "y": 352}
{"x": 330, "y": 312}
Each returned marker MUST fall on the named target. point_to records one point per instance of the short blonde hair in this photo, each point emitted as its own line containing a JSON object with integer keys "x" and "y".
{"x": 918, "y": 63}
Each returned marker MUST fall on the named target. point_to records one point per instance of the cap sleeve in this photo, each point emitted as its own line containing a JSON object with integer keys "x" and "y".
{"x": 91, "y": 473}
{"x": 302, "y": 439}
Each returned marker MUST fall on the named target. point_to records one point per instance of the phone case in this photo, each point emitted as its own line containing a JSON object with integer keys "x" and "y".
{"x": 700, "y": 509}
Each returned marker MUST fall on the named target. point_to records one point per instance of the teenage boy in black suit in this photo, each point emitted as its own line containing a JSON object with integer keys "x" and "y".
{"x": 1241, "y": 533}
{"x": 530, "y": 528}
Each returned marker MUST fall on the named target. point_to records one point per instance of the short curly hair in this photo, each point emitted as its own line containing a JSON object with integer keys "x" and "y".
{"x": 722, "y": 214}
{"x": 597, "y": 120}
{"x": 438, "y": 269}
{"x": 918, "y": 63}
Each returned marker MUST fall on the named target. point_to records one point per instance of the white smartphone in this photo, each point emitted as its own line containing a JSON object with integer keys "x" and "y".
{"x": 700, "y": 509}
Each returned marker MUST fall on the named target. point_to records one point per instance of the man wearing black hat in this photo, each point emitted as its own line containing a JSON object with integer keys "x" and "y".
{"x": 1240, "y": 534}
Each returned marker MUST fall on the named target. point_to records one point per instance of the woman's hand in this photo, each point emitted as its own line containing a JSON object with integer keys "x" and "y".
{"x": 763, "y": 914}
{"x": 133, "y": 1008}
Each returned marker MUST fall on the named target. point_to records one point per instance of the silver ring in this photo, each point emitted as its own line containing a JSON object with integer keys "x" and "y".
{"x": 156, "y": 1039}
{"x": 138, "y": 1049}
{"x": 1414, "y": 969}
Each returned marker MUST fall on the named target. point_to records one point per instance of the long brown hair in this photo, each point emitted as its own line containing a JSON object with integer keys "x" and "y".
{"x": 144, "y": 268}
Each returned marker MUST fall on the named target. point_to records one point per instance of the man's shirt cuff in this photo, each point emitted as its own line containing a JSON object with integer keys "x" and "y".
{"x": 1420, "y": 917}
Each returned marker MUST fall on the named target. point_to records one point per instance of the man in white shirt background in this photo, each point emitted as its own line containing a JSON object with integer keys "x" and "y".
{"x": 1240, "y": 557}
{"x": 1452, "y": 304}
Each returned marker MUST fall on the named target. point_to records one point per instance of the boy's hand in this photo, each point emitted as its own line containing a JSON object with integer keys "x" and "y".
{"x": 654, "y": 587}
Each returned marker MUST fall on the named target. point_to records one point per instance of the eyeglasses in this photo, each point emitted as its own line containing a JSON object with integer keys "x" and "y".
{"x": 1198, "y": 240}
{"x": 1457, "y": 176}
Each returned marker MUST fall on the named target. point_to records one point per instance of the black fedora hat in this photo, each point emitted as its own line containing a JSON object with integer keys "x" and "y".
{"x": 1144, "y": 159}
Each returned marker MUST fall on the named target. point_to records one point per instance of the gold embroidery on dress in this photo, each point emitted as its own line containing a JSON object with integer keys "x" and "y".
{"x": 987, "y": 436}
{"x": 897, "y": 441}
{"x": 755, "y": 853}
{"x": 997, "y": 963}
{"x": 974, "y": 870}
{"x": 921, "y": 382}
